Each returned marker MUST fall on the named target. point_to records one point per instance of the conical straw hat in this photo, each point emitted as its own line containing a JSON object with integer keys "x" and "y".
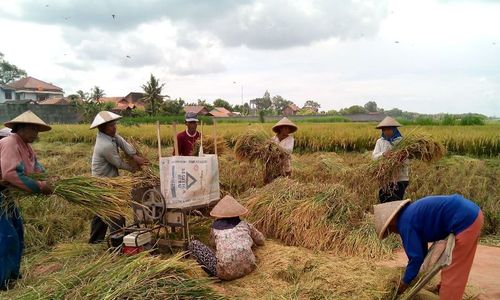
{"x": 104, "y": 117}
{"x": 384, "y": 213}
{"x": 285, "y": 122}
{"x": 28, "y": 117}
{"x": 228, "y": 207}
{"x": 388, "y": 122}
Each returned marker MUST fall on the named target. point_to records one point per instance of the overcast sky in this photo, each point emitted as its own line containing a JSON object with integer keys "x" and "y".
{"x": 427, "y": 56}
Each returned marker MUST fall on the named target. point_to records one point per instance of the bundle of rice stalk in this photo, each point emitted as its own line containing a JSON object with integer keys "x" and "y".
{"x": 105, "y": 197}
{"x": 209, "y": 145}
{"x": 316, "y": 216}
{"x": 257, "y": 146}
{"x": 413, "y": 146}
{"x": 146, "y": 176}
{"x": 111, "y": 276}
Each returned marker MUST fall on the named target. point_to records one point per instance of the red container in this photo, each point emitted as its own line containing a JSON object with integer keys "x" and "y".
{"x": 129, "y": 250}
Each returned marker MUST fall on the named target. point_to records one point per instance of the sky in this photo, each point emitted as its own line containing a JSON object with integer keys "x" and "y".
{"x": 427, "y": 56}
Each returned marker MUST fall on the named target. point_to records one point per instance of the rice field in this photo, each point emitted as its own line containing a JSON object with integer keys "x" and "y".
{"x": 479, "y": 141}
{"x": 321, "y": 241}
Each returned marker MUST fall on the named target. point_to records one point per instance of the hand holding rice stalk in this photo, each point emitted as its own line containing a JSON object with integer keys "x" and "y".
{"x": 146, "y": 176}
{"x": 257, "y": 146}
{"x": 413, "y": 146}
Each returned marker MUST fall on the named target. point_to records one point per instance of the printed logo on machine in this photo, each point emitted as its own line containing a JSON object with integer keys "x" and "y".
{"x": 185, "y": 180}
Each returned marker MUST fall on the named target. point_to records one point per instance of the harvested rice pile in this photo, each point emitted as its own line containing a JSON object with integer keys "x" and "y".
{"x": 81, "y": 271}
{"x": 412, "y": 146}
{"x": 256, "y": 146}
{"x": 146, "y": 176}
{"x": 209, "y": 145}
{"x": 316, "y": 216}
{"x": 285, "y": 272}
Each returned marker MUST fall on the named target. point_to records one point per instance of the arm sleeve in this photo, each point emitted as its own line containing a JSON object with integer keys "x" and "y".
{"x": 257, "y": 236}
{"x": 111, "y": 155}
{"x": 415, "y": 250}
{"x": 377, "y": 152}
{"x": 125, "y": 146}
{"x": 13, "y": 171}
{"x": 288, "y": 145}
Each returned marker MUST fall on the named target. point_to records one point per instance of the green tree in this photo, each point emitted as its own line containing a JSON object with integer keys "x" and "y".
{"x": 153, "y": 98}
{"x": 8, "y": 71}
{"x": 279, "y": 103}
{"x": 173, "y": 107}
{"x": 222, "y": 103}
{"x": 204, "y": 103}
{"x": 96, "y": 93}
{"x": 243, "y": 109}
{"x": 355, "y": 109}
{"x": 371, "y": 106}
{"x": 311, "y": 105}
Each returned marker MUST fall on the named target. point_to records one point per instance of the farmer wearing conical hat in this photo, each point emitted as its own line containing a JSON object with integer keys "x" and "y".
{"x": 17, "y": 162}
{"x": 283, "y": 138}
{"x": 233, "y": 239}
{"x": 432, "y": 219}
{"x": 106, "y": 162}
{"x": 187, "y": 139}
{"x": 389, "y": 138}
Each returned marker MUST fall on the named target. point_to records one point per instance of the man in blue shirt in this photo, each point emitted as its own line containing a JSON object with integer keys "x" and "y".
{"x": 432, "y": 219}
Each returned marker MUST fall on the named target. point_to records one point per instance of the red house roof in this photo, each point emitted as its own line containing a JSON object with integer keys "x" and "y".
{"x": 30, "y": 83}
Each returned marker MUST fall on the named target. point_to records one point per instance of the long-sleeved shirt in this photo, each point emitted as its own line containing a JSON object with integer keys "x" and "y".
{"x": 432, "y": 219}
{"x": 234, "y": 253}
{"x": 18, "y": 161}
{"x": 186, "y": 142}
{"x": 287, "y": 145}
{"x": 106, "y": 159}
{"x": 383, "y": 146}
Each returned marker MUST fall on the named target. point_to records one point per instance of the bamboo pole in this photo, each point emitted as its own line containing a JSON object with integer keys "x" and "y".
{"x": 176, "y": 144}
{"x": 201, "y": 140}
{"x": 159, "y": 139}
{"x": 215, "y": 137}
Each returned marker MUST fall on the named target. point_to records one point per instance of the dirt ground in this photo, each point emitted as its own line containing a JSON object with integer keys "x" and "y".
{"x": 485, "y": 272}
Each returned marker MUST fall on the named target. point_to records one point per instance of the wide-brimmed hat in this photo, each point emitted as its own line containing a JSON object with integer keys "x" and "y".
{"x": 388, "y": 122}
{"x": 285, "y": 122}
{"x": 384, "y": 213}
{"x": 228, "y": 207}
{"x": 104, "y": 117}
{"x": 4, "y": 132}
{"x": 191, "y": 117}
{"x": 28, "y": 117}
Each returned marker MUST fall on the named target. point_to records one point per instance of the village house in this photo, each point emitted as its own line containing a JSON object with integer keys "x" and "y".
{"x": 221, "y": 112}
{"x": 197, "y": 109}
{"x": 290, "y": 110}
{"x": 29, "y": 88}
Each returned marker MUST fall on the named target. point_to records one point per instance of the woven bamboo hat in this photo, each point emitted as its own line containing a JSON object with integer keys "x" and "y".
{"x": 28, "y": 117}
{"x": 388, "y": 122}
{"x": 228, "y": 207}
{"x": 384, "y": 213}
{"x": 285, "y": 122}
{"x": 104, "y": 117}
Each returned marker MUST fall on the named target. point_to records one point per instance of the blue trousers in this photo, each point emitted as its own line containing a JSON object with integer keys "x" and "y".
{"x": 11, "y": 244}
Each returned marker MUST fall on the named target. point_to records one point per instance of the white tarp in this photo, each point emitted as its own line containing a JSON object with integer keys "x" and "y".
{"x": 189, "y": 181}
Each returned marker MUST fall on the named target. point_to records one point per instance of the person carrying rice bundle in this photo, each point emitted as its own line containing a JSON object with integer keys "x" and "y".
{"x": 187, "y": 139}
{"x": 17, "y": 162}
{"x": 233, "y": 239}
{"x": 283, "y": 138}
{"x": 106, "y": 161}
{"x": 389, "y": 138}
{"x": 432, "y": 219}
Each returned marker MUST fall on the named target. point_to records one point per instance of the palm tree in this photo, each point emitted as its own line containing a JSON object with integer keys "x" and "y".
{"x": 153, "y": 98}
{"x": 96, "y": 93}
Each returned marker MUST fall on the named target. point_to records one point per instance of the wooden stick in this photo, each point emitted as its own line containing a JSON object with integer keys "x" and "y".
{"x": 201, "y": 140}
{"x": 215, "y": 137}
{"x": 159, "y": 139}
{"x": 176, "y": 144}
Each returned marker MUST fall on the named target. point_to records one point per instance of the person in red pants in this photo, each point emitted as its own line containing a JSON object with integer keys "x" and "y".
{"x": 428, "y": 220}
